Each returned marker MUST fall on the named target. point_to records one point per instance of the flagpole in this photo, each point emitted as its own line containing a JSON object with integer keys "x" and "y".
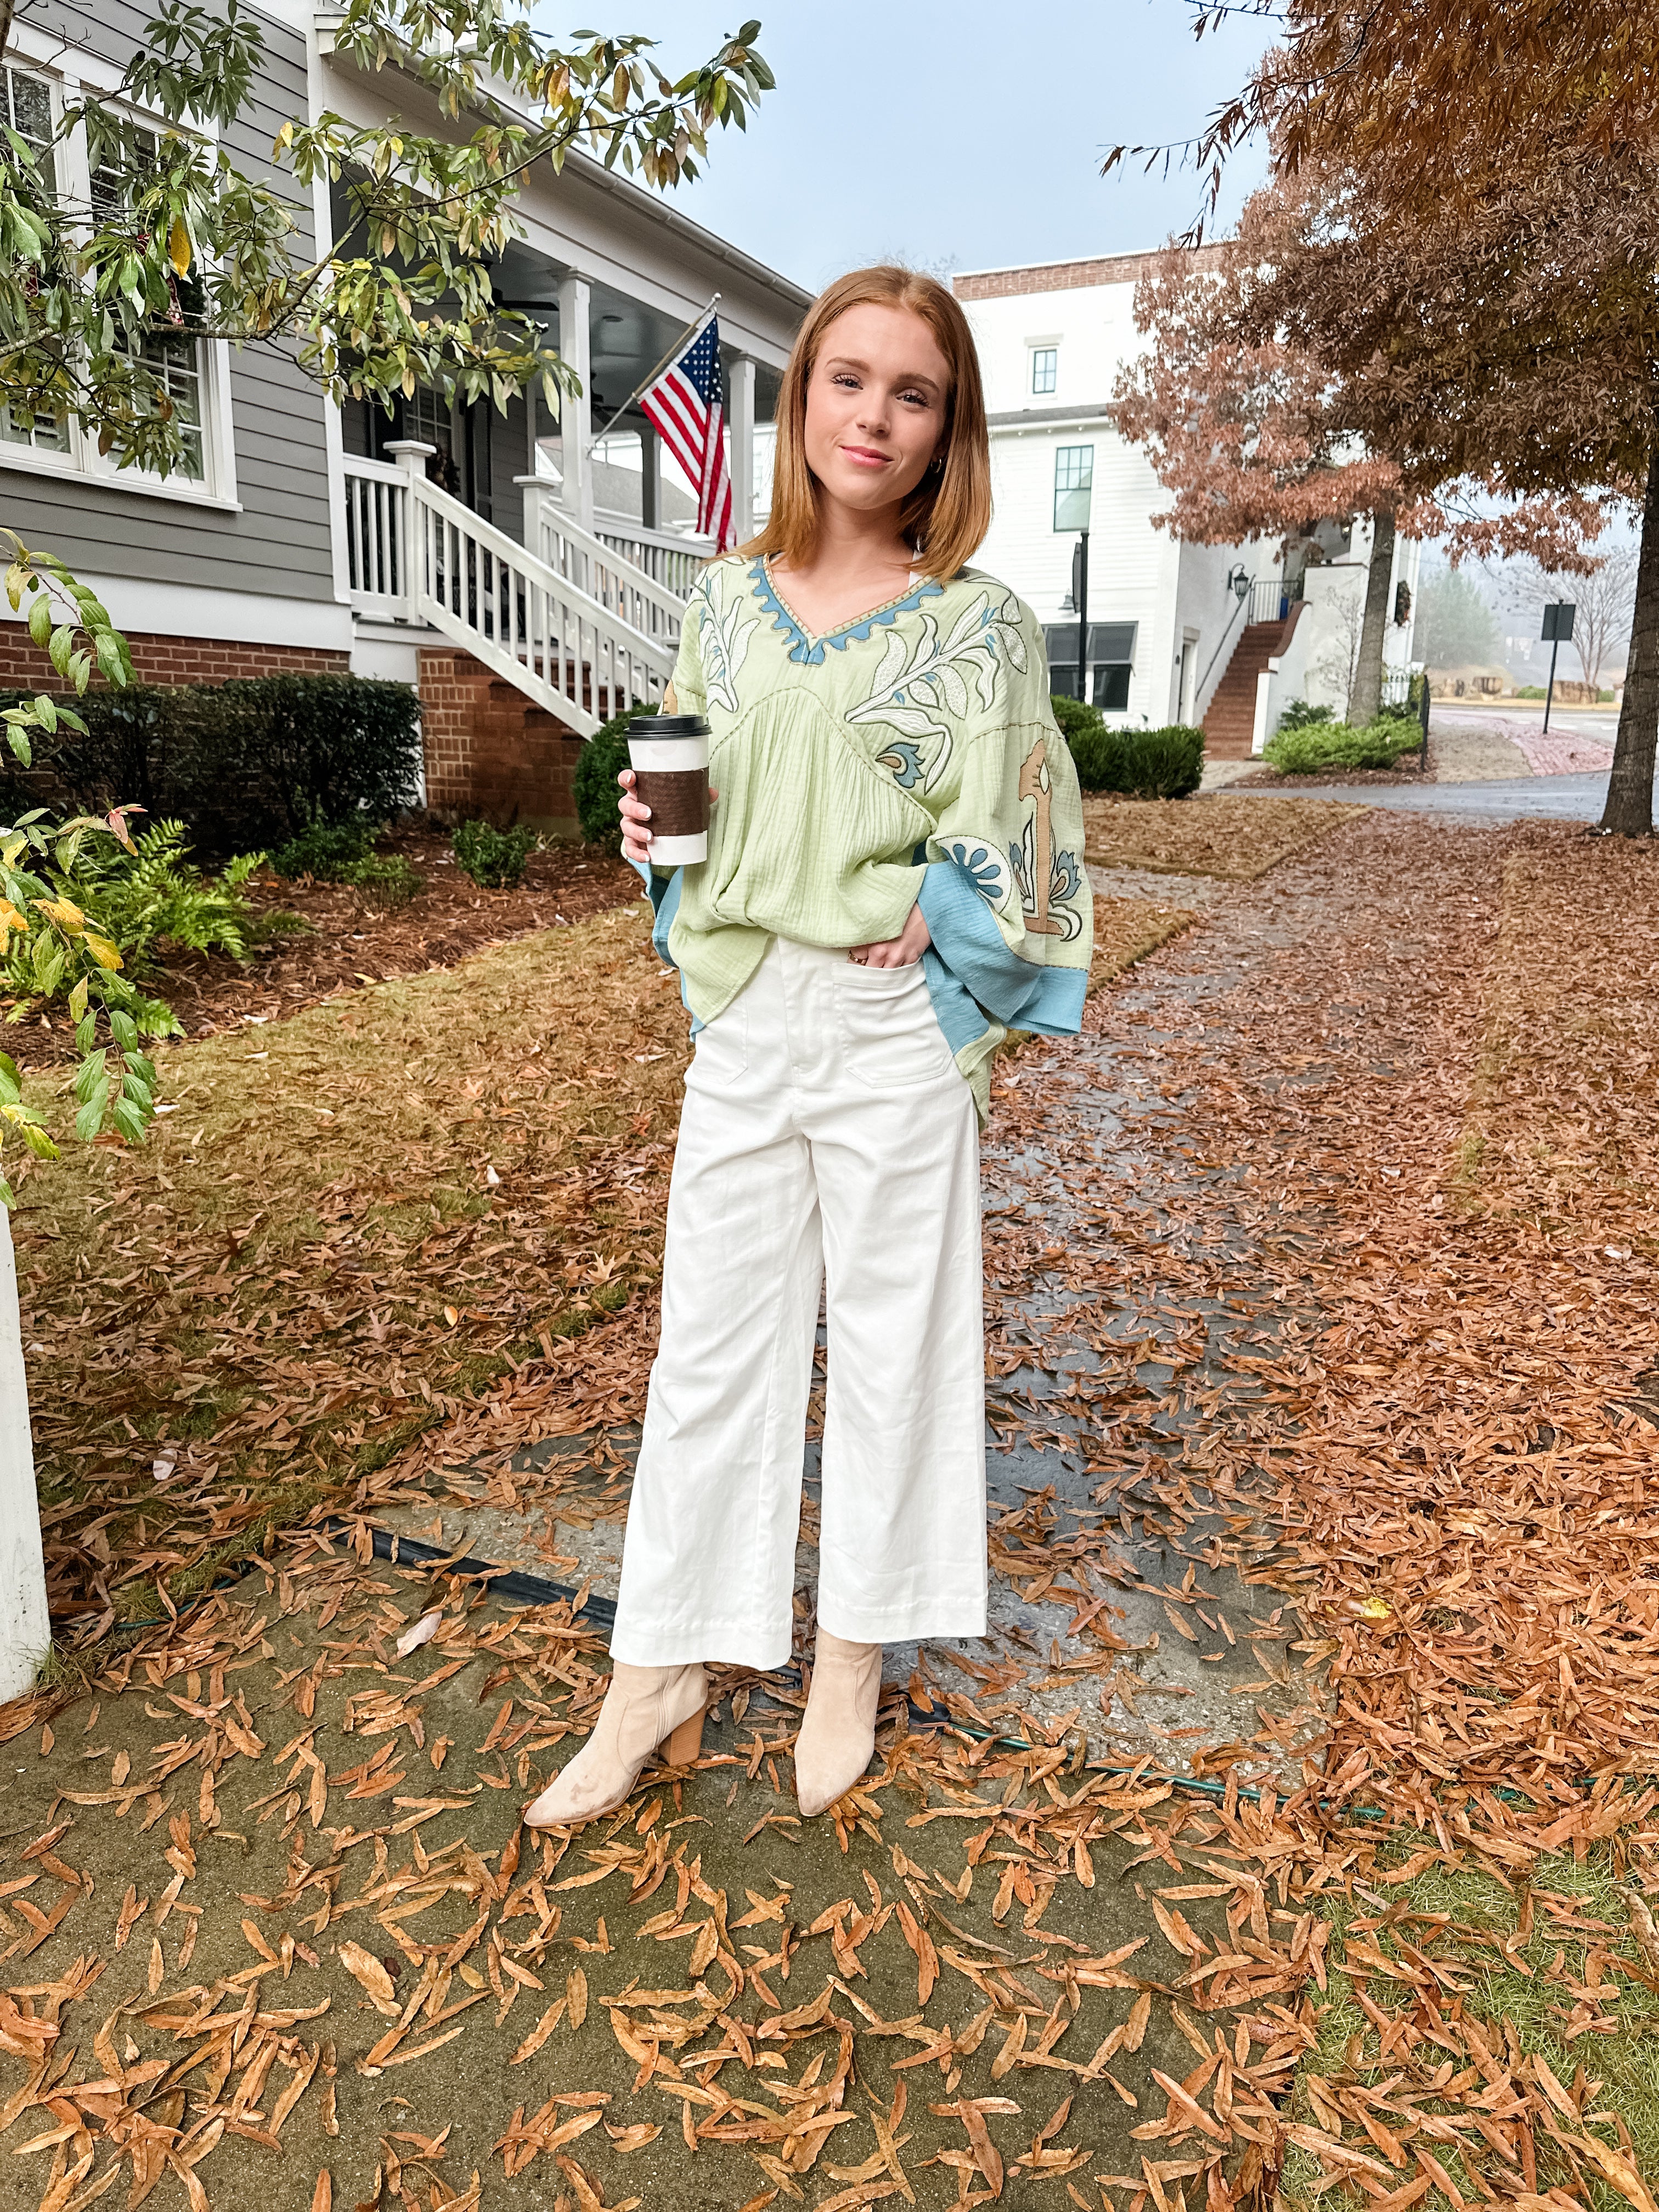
{"x": 687, "y": 336}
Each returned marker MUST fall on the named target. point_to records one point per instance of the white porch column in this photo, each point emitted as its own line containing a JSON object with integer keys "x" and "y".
{"x": 576, "y": 414}
{"x": 743, "y": 447}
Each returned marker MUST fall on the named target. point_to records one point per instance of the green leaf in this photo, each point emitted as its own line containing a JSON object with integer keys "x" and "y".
{"x": 7, "y": 1195}
{"x": 59, "y": 647}
{"x": 129, "y": 1120}
{"x": 40, "y": 620}
{"x": 90, "y": 1119}
{"x": 37, "y": 1141}
{"x": 77, "y": 1002}
{"x": 125, "y": 1030}
{"x": 45, "y": 708}
{"x": 86, "y": 1075}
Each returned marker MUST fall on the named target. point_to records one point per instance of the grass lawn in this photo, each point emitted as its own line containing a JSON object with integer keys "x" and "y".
{"x": 1238, "y": 839}
{"x": 352, "y": 1220}
{"x": 1555, "y": 1984}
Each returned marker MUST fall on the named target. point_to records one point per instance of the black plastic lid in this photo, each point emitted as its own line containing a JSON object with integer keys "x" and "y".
{"x": 668, "y": 726}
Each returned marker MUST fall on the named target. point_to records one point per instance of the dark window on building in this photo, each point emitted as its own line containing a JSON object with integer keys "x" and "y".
{"x": 1111, "y": 662}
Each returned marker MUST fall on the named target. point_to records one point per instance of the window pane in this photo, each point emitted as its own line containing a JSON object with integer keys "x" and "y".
{"x": 47, "y": 434}
{"x": 1045, "y": 360}
{"x": 27, "y": 109}
{"x": 174, "y": 362}
{"x": 119, "y": 163}
{"x": 1074, "y": 475}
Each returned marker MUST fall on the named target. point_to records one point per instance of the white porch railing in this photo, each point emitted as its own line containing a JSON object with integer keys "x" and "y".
{"x": 600, "y": 566}
{"x": 375, "y": 546}
{"x": 418, "y": 554}
{"x": 669, "y": 557}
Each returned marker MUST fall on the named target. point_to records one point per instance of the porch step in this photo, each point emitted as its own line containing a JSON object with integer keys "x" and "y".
{"x": 1230, "y": 718}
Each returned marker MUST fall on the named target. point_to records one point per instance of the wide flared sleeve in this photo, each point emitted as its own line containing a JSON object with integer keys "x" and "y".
{"x": 1005, "y": 894}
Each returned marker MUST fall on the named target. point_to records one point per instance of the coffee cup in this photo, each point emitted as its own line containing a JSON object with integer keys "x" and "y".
{"x": 669, "y": 756}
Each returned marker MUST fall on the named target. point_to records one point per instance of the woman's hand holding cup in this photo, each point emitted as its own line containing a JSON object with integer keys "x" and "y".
{"x": 635, "y": 820}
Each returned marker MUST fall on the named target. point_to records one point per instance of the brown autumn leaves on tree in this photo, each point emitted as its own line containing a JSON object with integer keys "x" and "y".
{"x": 1495, "y": 241}
{"x": 1255, "y": 434}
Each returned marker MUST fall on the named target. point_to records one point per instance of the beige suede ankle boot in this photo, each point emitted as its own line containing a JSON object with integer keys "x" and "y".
{"x": 644, "y": 1707}
{"x": 838, "y": 1732}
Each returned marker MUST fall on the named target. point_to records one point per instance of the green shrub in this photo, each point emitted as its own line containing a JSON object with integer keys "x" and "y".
{"x": 248, "y": 763}
{"x": 1096, "y": 753}
{"x": 598, "y": 764}
{"x": 326, "y": 852}
{"x": 1076, "y": 717}
{"x": 1299, "y": 715}
{"x": 494, "y": 859}
{"x": 384, "y": 880}
{"x": 1166, "y": 763}
{"x": 1339, "y": 745}
{"x": 1532, "y": 691}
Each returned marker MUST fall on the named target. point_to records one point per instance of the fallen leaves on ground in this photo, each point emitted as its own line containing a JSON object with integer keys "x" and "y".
{"x": 1346, "y": 1199}
{"x": 1237, "y": 839}
{"x": 334, "y": 1241}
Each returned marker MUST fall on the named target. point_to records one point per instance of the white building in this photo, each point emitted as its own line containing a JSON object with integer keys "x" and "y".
{"x": 1177, "y": 633}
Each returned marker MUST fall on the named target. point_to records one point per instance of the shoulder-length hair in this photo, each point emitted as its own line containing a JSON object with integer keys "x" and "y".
{"x": 948, "y": 513}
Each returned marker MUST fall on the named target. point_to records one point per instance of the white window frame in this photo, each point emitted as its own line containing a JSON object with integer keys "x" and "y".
{"x": 68, "y": 76}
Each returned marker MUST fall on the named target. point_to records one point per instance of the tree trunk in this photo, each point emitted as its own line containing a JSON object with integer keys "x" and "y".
{"x": 1629, "y": 809}
{"x": 25, "y": 1628}
{"x": 1366, "y": 699}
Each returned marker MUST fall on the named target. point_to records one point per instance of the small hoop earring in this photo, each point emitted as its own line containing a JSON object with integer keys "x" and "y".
{"x": 936, "y": 467}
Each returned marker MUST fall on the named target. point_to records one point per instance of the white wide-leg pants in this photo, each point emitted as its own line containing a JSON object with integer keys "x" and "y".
{"x": 827, "y": 1140}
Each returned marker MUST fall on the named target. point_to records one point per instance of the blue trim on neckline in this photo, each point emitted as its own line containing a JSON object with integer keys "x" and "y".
{"x": 809, "y": 651}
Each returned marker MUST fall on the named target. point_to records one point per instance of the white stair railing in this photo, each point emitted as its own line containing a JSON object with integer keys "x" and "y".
{"x": 602, "y": 569}
{"x": 674, "y": 560}
{"x": 418, "y": 554}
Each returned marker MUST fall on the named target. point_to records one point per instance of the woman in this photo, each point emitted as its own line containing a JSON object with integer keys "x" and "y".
{"x": 894, "y": 880}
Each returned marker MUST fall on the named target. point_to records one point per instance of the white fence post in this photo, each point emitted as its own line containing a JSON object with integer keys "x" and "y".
{"x": 411, "y": 455}
{"x": 25, "y": 1625}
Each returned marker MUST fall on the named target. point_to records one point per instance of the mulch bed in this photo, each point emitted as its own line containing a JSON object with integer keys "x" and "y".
{"x": 351, "y": 941}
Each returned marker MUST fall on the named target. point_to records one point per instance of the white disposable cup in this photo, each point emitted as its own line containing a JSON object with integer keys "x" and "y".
{"x": 680, "y": 756}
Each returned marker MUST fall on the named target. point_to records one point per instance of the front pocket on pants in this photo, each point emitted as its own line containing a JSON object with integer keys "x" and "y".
{"x": 890, "y": 1034}
{"x": 722, "y": 1045}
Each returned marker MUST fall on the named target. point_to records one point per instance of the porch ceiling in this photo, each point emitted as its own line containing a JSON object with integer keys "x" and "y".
{"x": 627, "y": 337}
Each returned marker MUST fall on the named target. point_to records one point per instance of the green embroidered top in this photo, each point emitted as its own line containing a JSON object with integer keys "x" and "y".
{"x": 911, "y": 754}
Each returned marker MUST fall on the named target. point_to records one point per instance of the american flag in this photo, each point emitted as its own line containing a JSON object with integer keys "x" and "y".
{"x": 684, "y": 403}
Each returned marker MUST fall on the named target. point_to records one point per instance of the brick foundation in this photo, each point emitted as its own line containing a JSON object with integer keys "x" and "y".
{"x": 160, "y": 660}
{"x": 490, "y": 751}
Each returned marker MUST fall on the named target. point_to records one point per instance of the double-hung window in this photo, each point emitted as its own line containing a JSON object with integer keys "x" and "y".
{"x": 27, "y": 108}
{"x": 172, "y": 358}
{"x": 1045, "y": 369}
{"x": 93, "y": 175}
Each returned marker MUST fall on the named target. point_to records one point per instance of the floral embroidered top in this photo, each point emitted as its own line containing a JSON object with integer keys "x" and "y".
{"x": 909, "y": 755}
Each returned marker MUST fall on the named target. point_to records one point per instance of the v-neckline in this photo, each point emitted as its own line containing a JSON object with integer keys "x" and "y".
{"x": 822, "y": 637}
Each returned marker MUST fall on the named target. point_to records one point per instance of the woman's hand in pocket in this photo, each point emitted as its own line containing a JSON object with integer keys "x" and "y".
{"x": 901, "y": 951}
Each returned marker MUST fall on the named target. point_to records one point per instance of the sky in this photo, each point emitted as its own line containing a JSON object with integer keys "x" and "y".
{"x": 952, "y": 134}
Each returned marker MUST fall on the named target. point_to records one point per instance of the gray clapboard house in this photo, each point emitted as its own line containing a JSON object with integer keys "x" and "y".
{"x": 526, "y": 582}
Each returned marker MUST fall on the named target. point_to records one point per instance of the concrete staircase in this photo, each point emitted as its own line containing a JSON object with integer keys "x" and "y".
{"x": 1230, "y": 718}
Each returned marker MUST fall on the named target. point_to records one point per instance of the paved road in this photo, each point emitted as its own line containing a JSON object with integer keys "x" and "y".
{"x": 1558, "y": 798}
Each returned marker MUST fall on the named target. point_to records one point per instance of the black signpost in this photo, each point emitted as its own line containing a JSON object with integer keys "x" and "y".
{"x": 1080, "y": 601}
{"x": 1557, "y": 629}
